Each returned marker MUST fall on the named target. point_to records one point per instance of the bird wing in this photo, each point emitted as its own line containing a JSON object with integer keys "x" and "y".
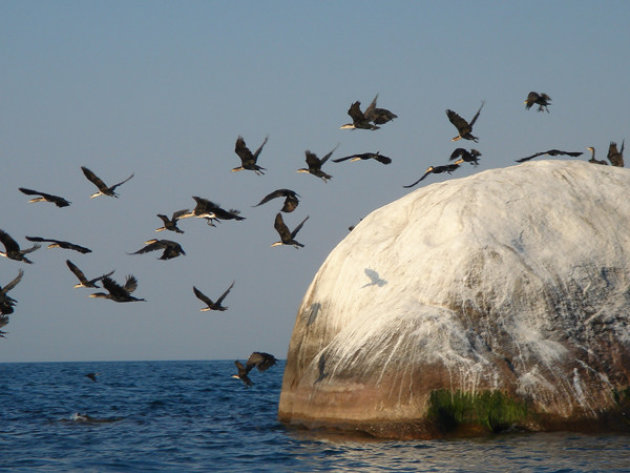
{"x": 243, "y": 151}
{"x": 312, "y": 161}
{"x": 130, "y": 284}
{"x": 457, "y": 121}
{"x": 527, "y": 158}
{"x": 13, "y": 283}
{"x": 275, "y": 194}
{"x": 39, "y": 239}
{"x": 9, "y": 243}
{"x": 71, "y": 246}
{"x": 180, "y": 214}
{"x": 29, "y": 191}
{"x": 121, "y": 182}
{"x": 456, "y": 153}
{"x": 77, "y": 272}
{"x": 369, "y": 111}
{"x": 153, "y": 246}
{"x": 345, "y": 158}
{"x": 281, "y": 228}
{"x": 113, "y": 287}
{"x": 201, "y": 296}
{"x": 474, "y": 119}
{"x": 297, "y": 229}
{"x": 260, "y": 360}
{"x": 532, "y": 97}
{"x": 220, "y": 299}
{"x": 426, "y": 173}
{"x": 355, "y": 112}
{"x": 325, "y": 158}
{"x": 257, "y": 152}
{"x": 93, "y": 178}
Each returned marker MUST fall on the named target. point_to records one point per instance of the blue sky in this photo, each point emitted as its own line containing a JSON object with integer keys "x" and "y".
{"x": 163, "y": 89}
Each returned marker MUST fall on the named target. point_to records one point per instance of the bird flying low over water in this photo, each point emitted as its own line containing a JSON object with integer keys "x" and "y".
{"x": 616, "y": 156}
{"x": 448, "y": 168}
{"x": 315, "y": 164}
{"x": 551, "y": 152}
{"x": 463, "y": 127}
{"x": 534, "y": 98}
{"x": 103, "y": 189}
{"x": 211, "y": 211}
{"x": 593, "y": 160}
{"x": 59, "y": 244}
{"x": 83, "y": 281}
{"x": 92, "y": 376}
{"x": 7, "y": 302}
{"x": 171, "y": 223}
{"x": 287, "y": 237}
{"x": 43, "y": 197}
{"x": 364, "y": 157}
{"x": 369, "y": 119}
{"x": 116, "y": 292}
{"x": 257, "y": 359}
{"x": 170, "y": 249}
{"x": 290, "y": 199}
{"x": 248, "y": 160}
{"x": 466, "y": 156}
{"x": 210, "y": 304}
{"x": 12, "y": 249}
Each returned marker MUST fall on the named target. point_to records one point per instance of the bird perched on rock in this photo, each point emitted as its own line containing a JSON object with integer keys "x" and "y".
{"x": 616, "y": 156}
{"x": 315, "y": 165}
{"x": 12, "y": 249}
{"x": 83, "y": 281}
{"x": 463, "y": 127}
{"x": 448, "y": 168}
{"x": 103, "y": 189}
{"x": 44, "y": 197}
{"x": 118, "y": 293}
{"x": 534, "y": 98}
{"x": 550, "y": 152}
{"x": 465, "y": 156}
{"x": 171, "y": 223}
{"x": 170, "y": 249}
{"x": 290, "y": 199}
{"x": 248, "y": 160}
{"x": 257, "y": 359}
{"x": 593, "y": 160}
{"x": 364, "y": 157}
{"x": 66, "y": 245}
{"x": 287, "y": 237}
{"x": 210, "y": 304}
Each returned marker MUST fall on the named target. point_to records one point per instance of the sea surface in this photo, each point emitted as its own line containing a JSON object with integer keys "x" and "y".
{"x": 190, "y": 416}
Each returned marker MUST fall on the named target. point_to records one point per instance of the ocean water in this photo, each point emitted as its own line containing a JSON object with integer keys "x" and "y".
{"x": 190, "y": 416}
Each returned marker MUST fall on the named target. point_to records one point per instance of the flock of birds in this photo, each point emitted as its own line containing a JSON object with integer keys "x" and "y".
{"x": 372, "y": 118}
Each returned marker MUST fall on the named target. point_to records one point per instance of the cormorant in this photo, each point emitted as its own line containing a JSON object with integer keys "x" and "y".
{"x": 551, "y": 152}
{"x": 209, "y": 303}
{"x": 290, "y": 199}
{"x": 248, "y": 160}
{"x": 171, "y": 223}
{"x": 12, "y": 249}
{"x": 211, "y": 211}
{"x": 103, "y": 189}
{"x": 242, "y": 373}
{"x": 7, "y": 302}
{"x": 287, "y": 237}
{"x": 378, "y": 116}
{"x": 463, "y": 127}
{"x": 55, "y": 199}
{"x": 616, "y": 157}
{"x": 171, "y": 249}
{"x": 92, "y": 376}
{"x": 116, "y": 292}
{"x": 593, "y": 160}
{"x": 448, "y": 168}
{"x": 83, "y": 281}
{"x": 466, "y": 156}
{"x": 315, "y": 164}
{"x": 359, "y": 119}
{"x": 365, "y": 156}
{"x": 262, "y": 361}
{"x": 59, "y": 244}
{"x": 542, "y": 100}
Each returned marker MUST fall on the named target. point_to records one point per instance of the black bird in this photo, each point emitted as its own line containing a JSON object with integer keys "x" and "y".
{"x": 378, "y": 116}
{"x": 542, "y": 100}
{"x": 211, "y": 211}
{"x": 171, "y": 223}
{"x": 116, "y": 292}
{"x": 359, "y": 119}
{"x": 315, "y": 165}
{"x": 365, "y": 156}
{"x": 103, "y": 189}
{"x": 616, "y": 157}
{"x": 287, "y": 237}
{"x": 210, "y": 305}
{"x": 170, "y": 249}
{"x": 43, "y": 197}
{"x": 262, "y": 361}
{"x": 83, "y": 281}
{"x": 12, "y": 249}
{"x": 59, "y": 244}
{"x": 448, "y": 168}
{"x": 242, "y": 373}
{"x": 290, "y": 199}
{"x": 551, "y": 152}
{"x": 92, "y": 376}
{"x": 7, "y": 302}
{"x": 593, "y": 160}
{"x": 465, "y": 156}
{"x": 463, "y": 127}
{"x": 4, "y": 320}
{"x": 248, "y": 160}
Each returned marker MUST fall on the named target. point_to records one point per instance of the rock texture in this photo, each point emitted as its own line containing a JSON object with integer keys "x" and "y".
{"x": 496, "y": 301}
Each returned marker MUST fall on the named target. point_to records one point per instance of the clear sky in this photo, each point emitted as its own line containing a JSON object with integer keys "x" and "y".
{"x": 163, "y": 89}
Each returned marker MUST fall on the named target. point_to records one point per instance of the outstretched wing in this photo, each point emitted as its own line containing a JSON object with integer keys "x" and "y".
{"x": 76, "y": 271}
{"x": 474, "y": 119}
{"x": 243, "y": 152}
{"x": 527, "y": 158}
{"x": 325, "y": 158}
{"x": 154, "y": 245}
{"x": 275, "y": 194}
{"x": 260, "y": 360}
{"x": 93, "y": 178}
{"x": 227, "y": 291}
{"x": 457, "y": 121}
{"x": 201, "y": 296}
{"x": 426, "y": 173}
{"x": 281, "y": 228}
{"x": 355, "y": 112}
{"x": 9, "y": 243}
{"x": 120, "y": 183}
{"x": 13, "y": 283}
{"x": 312, "y": 161}
{"x": 298, "y": 228}
{"x": 257, "y": 152}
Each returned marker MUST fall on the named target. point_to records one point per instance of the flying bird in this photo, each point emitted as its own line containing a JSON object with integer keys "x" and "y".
{"x": 116, "y": 292}
{"x": 378, "y": 116}
{"x": 593, "y": 160}
{"x": 44, "y": 197}
{"x": 66, "y": 245}
{"x": 534, "y": 98}
{"x": 290, "y": 199}
{"x": 616, "y": 157}
{"x": 103, "y": 189}
{"x": 210, "y": 305}
{"x": 315, "y": 164}
{"x": 248, "y": 160}
{"x": 211, "y": 211}
{"x": 287, "y": 237}
{"x": 171, "y": 223}
{"x": 170, "y": 249}
{"x": 12, "y": 249}
{"x": 262, "y": 361}
{"x": 551, "y": 152}
{"x": 92, "y": 376}
{"x": 448, "y": 168}
{"x": 364, "y": 157}
{"x": 463, "y": 127}
{"x": 7, "y": 302}
{"x": 359, "y": 119}
{"x": 465, "y": 156}
{"x": 242, "y": 373}
{"x": 83, "y": 281}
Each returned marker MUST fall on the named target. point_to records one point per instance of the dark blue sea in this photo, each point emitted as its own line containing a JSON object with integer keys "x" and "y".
{"x": 189, "y": 416}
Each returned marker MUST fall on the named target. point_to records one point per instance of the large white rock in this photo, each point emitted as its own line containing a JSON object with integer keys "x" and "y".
{"x": 513, "y": 280}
